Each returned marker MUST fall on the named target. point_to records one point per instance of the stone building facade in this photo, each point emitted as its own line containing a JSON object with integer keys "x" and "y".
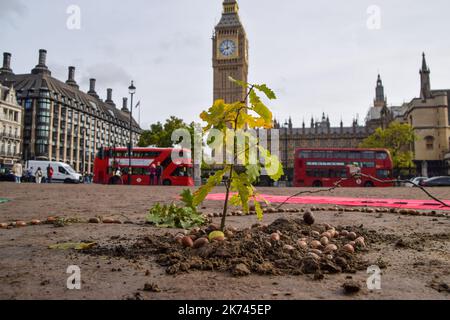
{"x": 429, "y": 115}
{"x": 10, "y": 127}
{"x": 63, "y": 123}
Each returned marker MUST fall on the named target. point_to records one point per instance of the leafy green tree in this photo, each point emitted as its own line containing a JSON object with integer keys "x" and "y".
{"x": 160, "y": 135}
{"x": 397, "y": 138}
{"x": 231, "y": 119}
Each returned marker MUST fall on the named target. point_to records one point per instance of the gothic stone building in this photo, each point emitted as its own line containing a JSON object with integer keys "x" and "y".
{"x": 429, "y": 115}
{"x": 63, "y": 123}
{"x": 10, "y": 127}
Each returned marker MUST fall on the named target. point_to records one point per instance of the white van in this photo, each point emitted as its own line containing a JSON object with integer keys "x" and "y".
{"x": 62, "y": 172}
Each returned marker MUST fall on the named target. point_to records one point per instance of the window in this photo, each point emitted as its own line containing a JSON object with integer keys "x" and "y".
{"x": 383, "y": 174}
{"x": 354, "y": 155}
{"x": 62, "y": 170}
{"x": 382, "y": 156}
{"x": 368, "y": 155}
{"x": 429, "y": 142}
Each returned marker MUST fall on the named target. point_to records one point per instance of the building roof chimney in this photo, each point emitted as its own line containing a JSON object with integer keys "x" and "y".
{"x": 109, "y": 99}
{"x": 125, "y": 105}
{"x": 92, "y": 91}
{"x": 6, "y": 69}
{"x": 71, "y": 78}
{"x": 42, "y": 68}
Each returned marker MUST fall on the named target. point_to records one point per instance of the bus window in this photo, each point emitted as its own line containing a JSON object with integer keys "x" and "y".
{"x": 340, "y": 154}
{"x": 305, "y": 154}
{"x": 368, "y": 155}
{"x": 383, "y": 174}
{"x": 382, "y": 155}
{"x": 354, "y": 155}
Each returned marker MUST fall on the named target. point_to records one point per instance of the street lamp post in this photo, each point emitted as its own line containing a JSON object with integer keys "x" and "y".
{"x": 132, "y": 91}
{"x": 286, "y": 125}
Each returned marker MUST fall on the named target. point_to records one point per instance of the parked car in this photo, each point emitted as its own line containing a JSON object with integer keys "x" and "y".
{"x": 416, "y": 181}
{"x": 6, "y": 175}
{"x": 436, "y": 182}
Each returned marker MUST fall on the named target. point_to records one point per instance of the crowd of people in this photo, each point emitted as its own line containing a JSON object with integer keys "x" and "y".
{"x": 37, "y": 175}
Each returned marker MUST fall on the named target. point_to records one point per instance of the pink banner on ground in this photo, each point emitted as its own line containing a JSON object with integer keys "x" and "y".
{"x": 354, "y": 202}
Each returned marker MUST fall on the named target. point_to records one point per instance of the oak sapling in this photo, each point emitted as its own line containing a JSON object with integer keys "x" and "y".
{"x": 231, "y": 118}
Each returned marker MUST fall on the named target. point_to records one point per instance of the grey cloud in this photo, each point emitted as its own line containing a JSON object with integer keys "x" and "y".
{"x": 107, "y": 74}
{"x": 11, "y": 10}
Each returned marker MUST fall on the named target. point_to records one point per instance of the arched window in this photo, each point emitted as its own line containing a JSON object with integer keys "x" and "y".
{"x": 429, "y": 141}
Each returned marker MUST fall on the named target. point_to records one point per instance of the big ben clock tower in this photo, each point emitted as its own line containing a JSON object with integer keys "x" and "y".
{"x": 230, "y": 54}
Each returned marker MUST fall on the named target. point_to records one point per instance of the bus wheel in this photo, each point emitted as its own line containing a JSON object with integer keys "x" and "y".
{"x": 317, "y": 184}
{"x": 368, "y": 184}
{"x": 167, "y": 182}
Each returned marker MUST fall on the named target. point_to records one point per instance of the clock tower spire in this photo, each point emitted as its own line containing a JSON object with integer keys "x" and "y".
{"x": 230, "y": 54}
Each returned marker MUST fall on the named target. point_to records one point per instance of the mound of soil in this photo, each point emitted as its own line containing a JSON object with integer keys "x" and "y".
{"x": 250, "y": 250}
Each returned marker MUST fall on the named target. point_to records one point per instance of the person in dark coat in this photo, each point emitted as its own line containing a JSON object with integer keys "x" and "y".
{"x": 152, "y": 173}
{"x": 159, "y": 173}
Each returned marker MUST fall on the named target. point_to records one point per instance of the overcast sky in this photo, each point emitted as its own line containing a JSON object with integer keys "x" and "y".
{"x": 319, "y": 56}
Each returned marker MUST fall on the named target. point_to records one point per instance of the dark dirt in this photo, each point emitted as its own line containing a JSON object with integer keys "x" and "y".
{"x": 247, "y": 251}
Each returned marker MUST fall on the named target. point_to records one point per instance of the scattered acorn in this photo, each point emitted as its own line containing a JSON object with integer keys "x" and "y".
{"x": 35, "y": 222}
{"x": 302, "y": 244}
{"x": 315, "y": 234}
{"x": 288, "y": 248}
{"x": 187, "y": 242}
{"x": 3, "y": 225}
{"x": 21, "y": 224}
{"x": 275, "y": 236}
{"x": 51, "y": 219}
{"x": 330, "y": 248}
{"x": 313, "y": 255}
{"x": 94, "y": 220}
{"x": 201, "y": 242}
{"x": 348, "y": 248}
{"x": 308, "y": 217}
{"x": 179, "y": 238}
{"x": 352, "y": 236}
{"x": 324, "y": 241}
{"x": 216, "y": 236}
{"x": 228, "y": 234}
{"x": 108, "y": 221}
{"x": 315, "y": 244}
{"x": 316, "y": 251}
{"x": 360, "y": 242}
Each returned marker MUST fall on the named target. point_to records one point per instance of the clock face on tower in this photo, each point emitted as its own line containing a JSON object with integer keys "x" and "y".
{"x": 227, "y": 48}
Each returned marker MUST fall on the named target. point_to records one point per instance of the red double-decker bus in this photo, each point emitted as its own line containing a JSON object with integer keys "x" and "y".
{"x": 319, "y": 167}
{"x": 177, "y": 171}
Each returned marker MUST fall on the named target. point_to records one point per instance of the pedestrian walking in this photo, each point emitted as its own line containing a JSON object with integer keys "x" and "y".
{"x": 152, "y": 174}
{"x": 29, "y": 175}
{"x": 39, "y": 174}
{"x": 17, "y": 170}
{"x": 49, "y": 174}
{"x": 118, "y": 176}
{"x": 159, "y": 173}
